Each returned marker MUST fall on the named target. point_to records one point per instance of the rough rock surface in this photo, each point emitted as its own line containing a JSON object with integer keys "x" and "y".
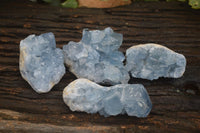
{"x": 96, "y": 57}
{"x": 151, "y": 61}
{"x": 41, "y": 63}
{"x": 85, "y": 95}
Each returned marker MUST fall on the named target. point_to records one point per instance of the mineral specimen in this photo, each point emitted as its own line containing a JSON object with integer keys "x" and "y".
{"x": 85, "y": 95}
{"x": 96, "y": 57}
{"x": 41, "y": 63}
{"x": 151, "y": 61}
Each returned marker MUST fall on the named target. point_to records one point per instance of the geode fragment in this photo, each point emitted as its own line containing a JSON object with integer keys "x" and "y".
{"x": 85, "y": 95}
{"x": 151, "y": 61}
{"x": 96, "y": 57}
{"x": 41, "y": 63}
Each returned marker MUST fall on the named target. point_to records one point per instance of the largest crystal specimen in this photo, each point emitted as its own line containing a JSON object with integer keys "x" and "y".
{"x": 96, "y": 57}
{"x": 41, "y": 63}
{"x": 151, "y": 61}
{"x": 84, "y": 95}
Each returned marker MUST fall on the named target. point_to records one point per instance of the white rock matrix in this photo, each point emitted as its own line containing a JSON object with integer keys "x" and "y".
{"x": 151, "y": 61}
{"x": 85, "y": 95}
{"x": 41, "y": 63}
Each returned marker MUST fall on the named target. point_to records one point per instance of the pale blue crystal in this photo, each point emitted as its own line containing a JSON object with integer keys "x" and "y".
{"x": 96, "y": 57}
{"x": 41, "y": 63}
{"x": 85, "y": 95}
{"x": 103, "y": 41}
{"x": 151, "y": 61}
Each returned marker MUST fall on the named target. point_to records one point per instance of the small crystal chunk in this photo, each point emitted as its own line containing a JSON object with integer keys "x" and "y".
{"x": 85, "y": 95}
{"x": 41, "y": 63}
{"x": 151, "y": 61}
{"x": 96, "y": 57}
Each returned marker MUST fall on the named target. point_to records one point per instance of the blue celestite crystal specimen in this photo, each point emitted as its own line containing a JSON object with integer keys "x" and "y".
{"x": 41, "y": 63}
{"x": 96, "y": 57}
{"x": 104, "y": 41}
{"x": 151, "y": 61}
{"x": 85, "y": 95}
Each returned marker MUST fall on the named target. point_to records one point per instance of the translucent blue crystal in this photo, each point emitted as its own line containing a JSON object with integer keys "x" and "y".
{"x": 85, "y": 95}
{"x": 96, "y": 57}
{"x": 103, "y": 41}
{"x": 151, "y": 61}
{"x": 41, "y": 63}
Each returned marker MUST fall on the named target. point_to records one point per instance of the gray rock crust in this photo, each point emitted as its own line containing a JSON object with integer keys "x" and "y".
{"x": 41, "y": 63}
{"x": 85, "y": 95}
{"x": 151, "y": 61}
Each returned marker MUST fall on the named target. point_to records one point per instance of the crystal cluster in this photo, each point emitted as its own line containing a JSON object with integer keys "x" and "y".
{"x": 85, "y": 95}
{"x": 151, "y": 61}
{"x": 96, "y": 57}
{"x": 41, "y": 63}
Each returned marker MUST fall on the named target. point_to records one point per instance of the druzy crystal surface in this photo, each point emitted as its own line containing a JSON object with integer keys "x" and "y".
{"x": 41, "y": 63}
{"x": 151, "y": 61}
{"x": 96, "y": 57}
{"x": 85, "y": 95}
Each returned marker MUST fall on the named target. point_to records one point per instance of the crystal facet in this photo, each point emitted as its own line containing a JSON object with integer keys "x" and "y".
{"x": 41, "y": 63}
{"x": 96, "y": 57}
{"x": 85, "y": 95}
{"x": 151, "y": 61}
